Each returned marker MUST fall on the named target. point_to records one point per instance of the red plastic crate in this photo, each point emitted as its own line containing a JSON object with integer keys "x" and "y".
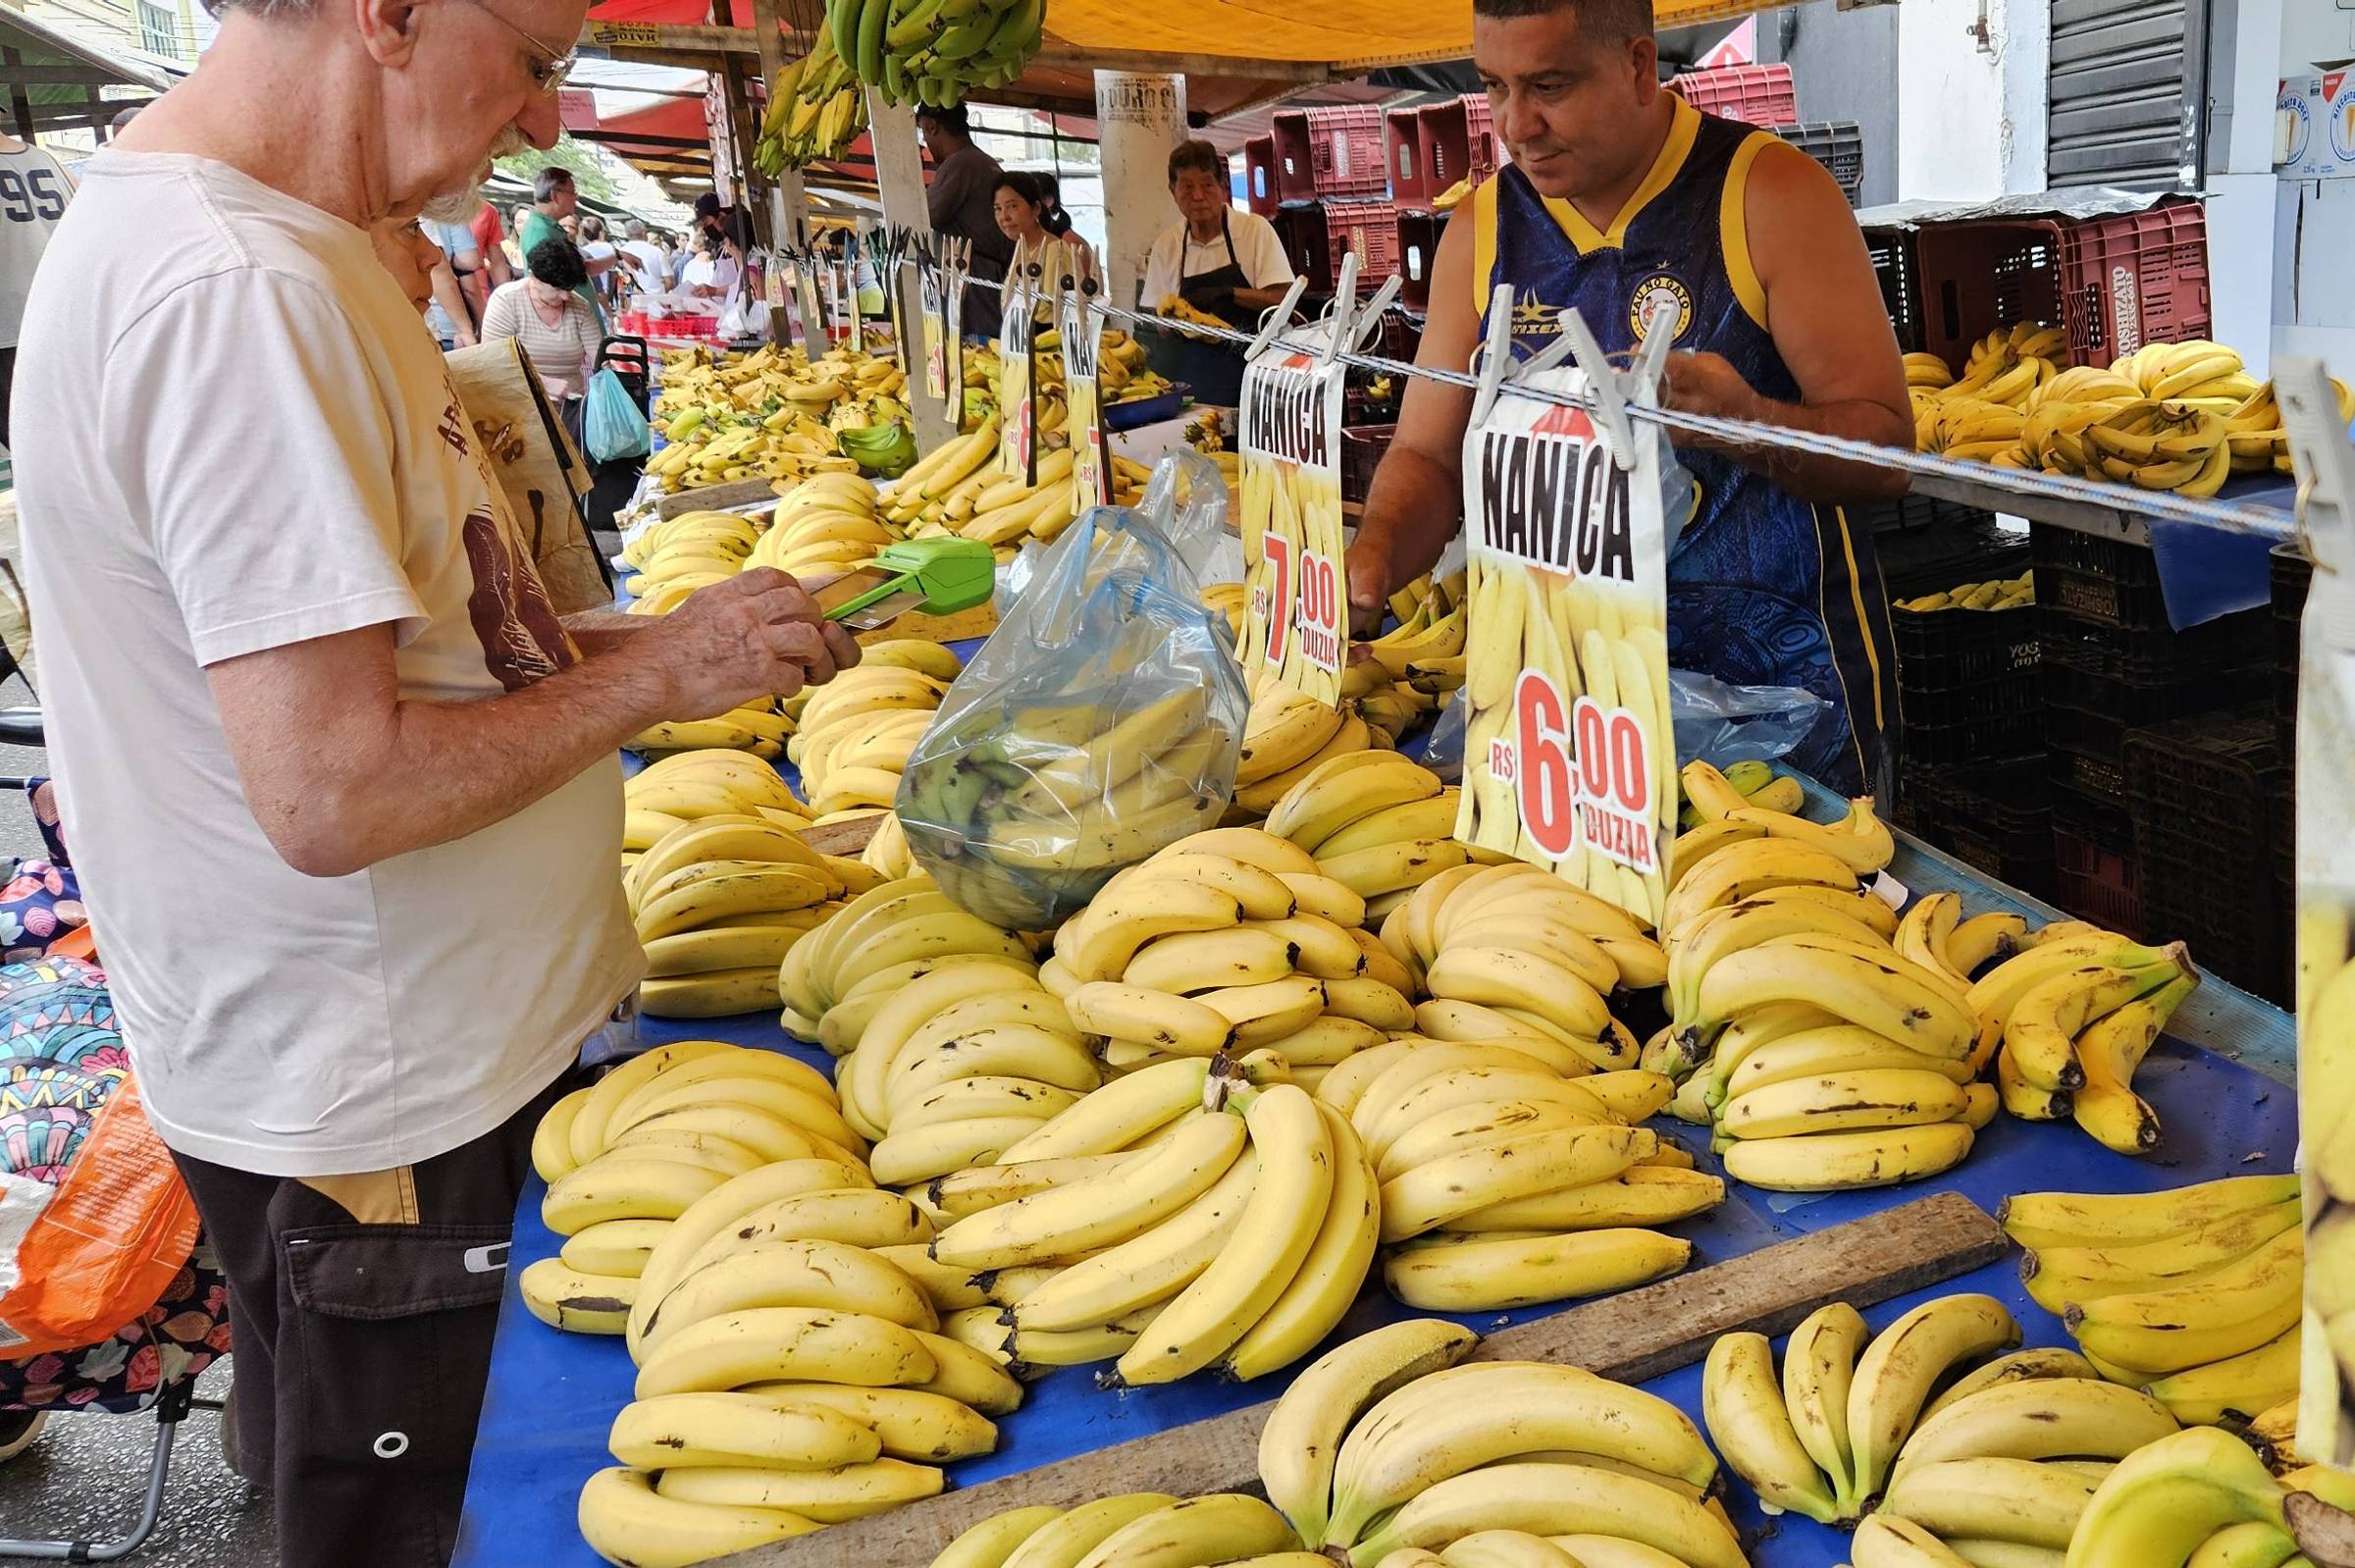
{"x": 2134, "y": 278}
{"x": 1259, "y": 176}
{"x": 1323, "y": 153}
{"x": 1316, "y": 238}
{"x": 1418, "y": 247}
{"x": 1363, "y": 449}
{"x": 1403, "y": 156}
{"x": 2097, "y": 884}
{"x": 1760, "y": 95}
{"x": 675, "y": 327}
{"x": 1975, "y": 277}
{"x": 1459, "y": 143}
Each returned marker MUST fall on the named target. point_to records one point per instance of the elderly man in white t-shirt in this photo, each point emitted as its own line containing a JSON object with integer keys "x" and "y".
{"x": 342, "y": 784}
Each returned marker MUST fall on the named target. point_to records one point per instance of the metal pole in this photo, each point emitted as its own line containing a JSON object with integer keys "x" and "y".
{"x": 788, "y": 200}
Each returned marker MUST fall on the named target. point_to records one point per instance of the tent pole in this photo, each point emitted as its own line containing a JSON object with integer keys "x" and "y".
{"x": 788, "y": 198}
{"x": 1139, "y": 119}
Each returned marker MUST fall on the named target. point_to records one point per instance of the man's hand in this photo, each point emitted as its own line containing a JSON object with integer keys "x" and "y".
{"x": 1368, "y": 565}
{"x": 757, "y": 635}
{"x": 1708, "y": 385}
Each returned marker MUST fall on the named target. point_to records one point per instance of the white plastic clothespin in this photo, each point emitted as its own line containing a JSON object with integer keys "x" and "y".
{"x": 1611, "y": 389}
{"x": 1369, "y": 320}
{"x": 1342, "y": 318}
{"x": 1275, "y": 320}
{"x": 1494, "y": 357}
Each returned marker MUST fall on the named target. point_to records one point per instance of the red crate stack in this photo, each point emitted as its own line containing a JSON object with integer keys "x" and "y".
{"x": 1404, "y": 157}
{"x": 1325, "y": 153}
{"x": 2134, "y": 278}
{"x": 1459, "y": 143}
{"x": 1317, "y": 238}
{"x": 1760, "y": 95}
{"x": 1259, "y": 176}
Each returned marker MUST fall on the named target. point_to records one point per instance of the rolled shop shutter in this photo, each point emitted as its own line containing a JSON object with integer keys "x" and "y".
{"x": 2127, "y": 100}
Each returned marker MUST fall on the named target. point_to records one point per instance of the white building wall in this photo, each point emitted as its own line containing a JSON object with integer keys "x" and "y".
{"x": 1973, "y": 118}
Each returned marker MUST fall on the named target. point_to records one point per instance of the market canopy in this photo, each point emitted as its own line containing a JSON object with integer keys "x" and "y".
{"x": 53, "y": 80}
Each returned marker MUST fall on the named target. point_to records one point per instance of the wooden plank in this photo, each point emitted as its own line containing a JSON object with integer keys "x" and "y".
{"x": 717, "y": 497}
{"x": 848, "y": 840}
{"x": 636, "y": 36}
{"x": 1631, "y": 1337}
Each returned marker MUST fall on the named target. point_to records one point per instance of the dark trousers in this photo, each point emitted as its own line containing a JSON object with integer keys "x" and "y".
{"x": 361, "y": 1312}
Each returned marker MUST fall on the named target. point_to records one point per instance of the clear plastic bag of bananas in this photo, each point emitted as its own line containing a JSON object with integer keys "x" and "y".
{"x": 1101, "y": 721}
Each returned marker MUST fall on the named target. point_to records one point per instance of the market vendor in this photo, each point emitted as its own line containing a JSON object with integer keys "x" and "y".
{"x": 343, "y": 786}
{"x": 1225, "y": 262}
{"x": 1620, "y": 195}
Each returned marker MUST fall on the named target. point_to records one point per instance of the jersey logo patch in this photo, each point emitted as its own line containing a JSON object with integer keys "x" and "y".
{"x": 1659, "y": 290}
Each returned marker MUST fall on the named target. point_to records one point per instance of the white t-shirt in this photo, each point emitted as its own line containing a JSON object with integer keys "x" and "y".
{"x": 706, "y": 270}
{"x": 646, "y": 266}
{"x": 1175, "y": 256}
{"x": 234, "y": 434}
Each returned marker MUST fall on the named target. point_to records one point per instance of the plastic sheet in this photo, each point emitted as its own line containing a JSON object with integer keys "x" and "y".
{"x": 554, "y": 1395}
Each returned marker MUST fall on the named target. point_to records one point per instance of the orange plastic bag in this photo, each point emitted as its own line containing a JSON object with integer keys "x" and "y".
{"x": 99, "y": 1248}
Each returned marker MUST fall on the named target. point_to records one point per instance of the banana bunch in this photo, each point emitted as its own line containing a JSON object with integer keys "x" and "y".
{"x": 1228, "y": 599}
{"x": 671, "y": 559}
{"x": 1962, "y": 427}
{"x": 690, "y": 786}
{"x": 1410, "y": 670}
{"x": 816, "y": 111}
{"x": 2202, "y": 1498}
{"x": 886, "y": 850}
{"x": 625, "y": 1156}
{"x": 1601, "y": 641}
{"x": 2158, "y": 445}
{"x": 1831, "y": 1058}
{"x": 1760, "y": 786}
{"x": 935, "y": 52}
{"x": 761, "y": 415}
{"x": 761, "y": 728}
{"x": 2003, "y": 593}
{"x": 824, "y": 527}
{"x": 2191, "y": 1295}
{"x": 791, "y": 1374}
{"x": 1484, "y": 914}
{"x": 854, "y": 734}
{"x": 2066, "y": 1023}
{"x": 1010, "y": 509}
{"x": 1185, "y": 1216}
{"x": 1389, "y": 708}
{"x": 1824, "y": 1439}
{"x": 1927, "y": 372}
{"x": 784, "y": 446}
{"x": 2196, "y": 370}
{"x": 2326, "y": 1051}
{"x": 885, "y": 448}
{"x": 1022, "y": 813}
{"x": 1506, "y": 1180}
{"x": 950, "y": 1059}
{"x": 1286, "y": 737}
{"x": 923, "y": 493}
{"x": 889, "y": 935}
{"x": 719, "y": 902}
{"x": 1228, "y": 941}
{"x": 1379, "y": 823}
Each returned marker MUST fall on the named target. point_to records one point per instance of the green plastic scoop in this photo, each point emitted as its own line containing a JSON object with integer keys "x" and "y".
{"x": 928, "y": 576}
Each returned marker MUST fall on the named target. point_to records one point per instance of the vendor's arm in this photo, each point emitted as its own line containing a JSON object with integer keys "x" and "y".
{"x": 1824, "y": 311}
{"x": 1417, "y": 492}
{"x": 343, "y": 771}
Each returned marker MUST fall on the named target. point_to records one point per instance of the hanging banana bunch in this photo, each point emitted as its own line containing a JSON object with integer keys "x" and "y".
{"x": 816, "y": 111}
{"x": 934, "y": 52}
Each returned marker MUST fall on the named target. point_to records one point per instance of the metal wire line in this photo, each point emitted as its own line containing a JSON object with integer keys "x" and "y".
{"x": 1749, "y": 435}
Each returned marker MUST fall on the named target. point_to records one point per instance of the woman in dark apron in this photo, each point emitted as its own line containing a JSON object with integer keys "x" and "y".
{"x": 1227, "y": 287}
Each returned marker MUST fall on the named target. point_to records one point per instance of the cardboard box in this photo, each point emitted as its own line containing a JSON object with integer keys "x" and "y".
{"x": 2314, "y": 126}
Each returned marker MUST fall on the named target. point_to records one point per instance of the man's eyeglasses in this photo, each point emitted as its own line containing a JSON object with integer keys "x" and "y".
{"x": 550, "y": 65}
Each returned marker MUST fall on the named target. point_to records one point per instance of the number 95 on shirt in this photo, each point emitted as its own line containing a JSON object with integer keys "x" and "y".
{"x": 1569, "y": 755}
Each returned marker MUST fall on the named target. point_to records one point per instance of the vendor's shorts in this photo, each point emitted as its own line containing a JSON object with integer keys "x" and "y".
{"x": 362, "y": 1314}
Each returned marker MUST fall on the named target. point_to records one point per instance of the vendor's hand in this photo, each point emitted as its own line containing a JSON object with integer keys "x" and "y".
{"x": 1218, "y": 300}
{"x": 757, "y": 635}
{"x": 1707, "y": 384}
{"x": 1369, "y": 569}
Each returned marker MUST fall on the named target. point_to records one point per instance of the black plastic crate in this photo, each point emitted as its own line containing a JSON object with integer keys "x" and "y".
{"x": 1964, "y": 546}
{"x": 1838, "y": 145}
{"x": 2089, "y": 773}
{"x": 1362, "y": 451}
{"x": 2095, "y": 820}
{"x": 1944, "y": 650}
{"x": 2106, "y": 581}
{"x": 2292, "y": 576}
{"x": 2203, "y": 798}
{"x": 2089, "y": 707}
{"x": 1999, "y": 819}
{"x": 1897, "y": 269}
{"x": 2095, "y": 882}
{"x": 1914, "y": 512}
{"x": 1971, "y": 740}
{"x": 2156, "y": 655}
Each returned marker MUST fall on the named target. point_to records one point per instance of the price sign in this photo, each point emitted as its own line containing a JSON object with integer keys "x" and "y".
{"x": 814, "y": 316}
{"x": 845, "y": 271}
{"x": 1081, "y": 320}
{"x": 936, "y": 339}
{"x": 1296, "y": 616}
{"x": 1569, "y": 753}
{"x": 1018, "y": 433}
